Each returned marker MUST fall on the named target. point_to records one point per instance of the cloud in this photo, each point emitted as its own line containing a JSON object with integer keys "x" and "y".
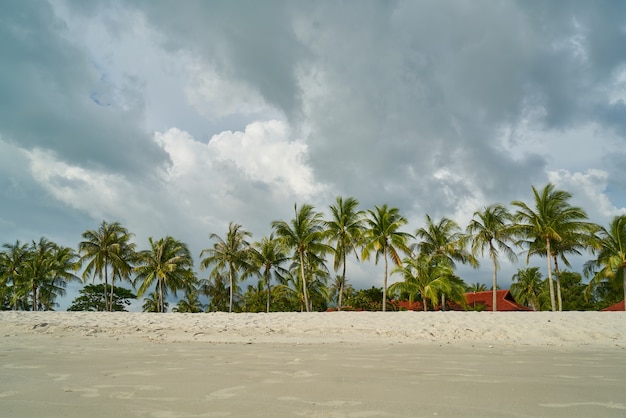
{"x": 176, "y": 118}
{"x": 589, "y": 191}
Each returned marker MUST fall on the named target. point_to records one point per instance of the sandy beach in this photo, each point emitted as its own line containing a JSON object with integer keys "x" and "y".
{"x": 339, "y": 364}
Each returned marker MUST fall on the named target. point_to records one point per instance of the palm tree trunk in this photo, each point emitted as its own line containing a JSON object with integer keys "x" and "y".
{"x": 557, "y": 274}
{"x": 304, "y": 286}
{"x": 341, "y": 285}
{"x": 34, "y": 298}
{"x": 230, "y": 279}
{"x": 111, "y": 299}
{"x": 551, "y": 285}
{"x": 424, "y": 304}
{"x": 161, "y": 304}
{"x": 106, "y": 283}
{"x": 624, "y": 284}
{"x": 385, "y": 285}
{"x": 495, "y": 283}
{"x": 269, "y": 292}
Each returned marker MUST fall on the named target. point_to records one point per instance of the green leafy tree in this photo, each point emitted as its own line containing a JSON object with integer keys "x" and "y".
{"x": 255, "y": 297}
{"x": 345, "y": 229}
{"x": 573, "y": 290}
{"x": 92, "y": 299}
{"x": 445, "y": 244}
{"x": 45, "y": 270}
{"x": 338, "y": 286}
{"x": 366, "y": 299}
{"x": 305, "y": 236}
{"x": 383, "y": 238}
{"x": 491, "y": 229}
{"x": 107, "y": 247}
{"x": 608, "y": 269}
{"x": 153, "y": 303}
{"x": 168, "y": 264}
{"x": 268, "y": 256}
{"x": 426, "y": 277}
{"x": 12, "y": 261}
{"x": 527, "y": 287}
{"x": 476, "y": 287}
{"x": 190, "y": 303}
{"x": 231, "y": 253}
{"x": 217, "y": 290}
{"x": 553, "y": 220}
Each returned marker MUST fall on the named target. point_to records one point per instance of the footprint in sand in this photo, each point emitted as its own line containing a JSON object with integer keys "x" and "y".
{"x": 58, "y": 377}
{"x": 86, "y": 392}
{"x": 225, "y": 393}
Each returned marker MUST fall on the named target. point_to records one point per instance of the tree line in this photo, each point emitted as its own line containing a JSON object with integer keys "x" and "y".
{"x": 291, "y": 265}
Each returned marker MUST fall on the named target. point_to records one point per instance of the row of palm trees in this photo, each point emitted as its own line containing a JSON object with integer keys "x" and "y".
{"x": 297, "y": 251}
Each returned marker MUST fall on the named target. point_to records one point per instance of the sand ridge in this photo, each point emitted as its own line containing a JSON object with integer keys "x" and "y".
{"x": 541, "y": 329}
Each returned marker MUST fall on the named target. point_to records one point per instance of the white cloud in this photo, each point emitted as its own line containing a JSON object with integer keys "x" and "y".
{"x": 589, "y": 192}
{"x": 265, "y": 153}
{"x": 99, "y": 194}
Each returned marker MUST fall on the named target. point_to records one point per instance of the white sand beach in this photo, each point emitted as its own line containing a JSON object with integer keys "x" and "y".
{"x": 336, "y": 364}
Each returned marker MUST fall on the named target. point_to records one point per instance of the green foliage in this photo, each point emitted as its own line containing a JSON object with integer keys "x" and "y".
{"x": 92, "y": 298}
{"x": 291, "y": 269}
{"x": 167, "y": 264}
{"x": 366, "y": 299}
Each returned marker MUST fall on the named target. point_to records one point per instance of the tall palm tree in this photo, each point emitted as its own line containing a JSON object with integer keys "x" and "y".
{"x": 610, "y": 262}
{"x": 269, "y": 255}
{"x": 527, "y": 287}
{"x": 169, "y": 263}
{"x": 445, "y": 243}
{"x": 305, "y": 235}
{"x": 383, "y": 237}
{"x": 552, "y": 220}
{"x": 231, "y": 253}
{"x": 37, "y": 269}
{"x": 345, "y": 229}
{"x": 491, "y": 229}
{"x": 108, "y": 246}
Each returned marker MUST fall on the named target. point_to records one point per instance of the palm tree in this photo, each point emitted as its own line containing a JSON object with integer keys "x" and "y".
{"x": 337, "y": 285}
{"x": 383, "y": 237}
{"x": 491, "y": 229}
{"x": 305, "y": 236}
{"x": 216, "y": 289}
{"x": 108, "y": 246}
{"x": 231, "y": 254}
{"x": 445, "y": 243}
{"x": 268, "y": 255}
{"x": 423, "y": 276}
{"x": 527, "y": 287}
{"x": 169, "y": 263}
{"x": 12, "y": 262}
{"x": 152, "y": 303}
{"x": 345, "y": 230}
{"x": 610, "y": 262}
{"x": 190, "y": 303}
{"x": 36, "y": 269}
{"x": 476, "y": 287}
{"x": 553, "y": 220}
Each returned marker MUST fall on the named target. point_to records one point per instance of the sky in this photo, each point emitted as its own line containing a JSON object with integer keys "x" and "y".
{"x": 176, "y": 118}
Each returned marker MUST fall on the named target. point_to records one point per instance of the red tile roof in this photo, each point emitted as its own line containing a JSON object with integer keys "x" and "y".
{"x": 619, "y": 306}
{"x": 504, "y": 301}
{"x": 483, "y": 300}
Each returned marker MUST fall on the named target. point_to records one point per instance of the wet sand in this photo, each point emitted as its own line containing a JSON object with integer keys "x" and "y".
{"x": 60, "y": 370}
